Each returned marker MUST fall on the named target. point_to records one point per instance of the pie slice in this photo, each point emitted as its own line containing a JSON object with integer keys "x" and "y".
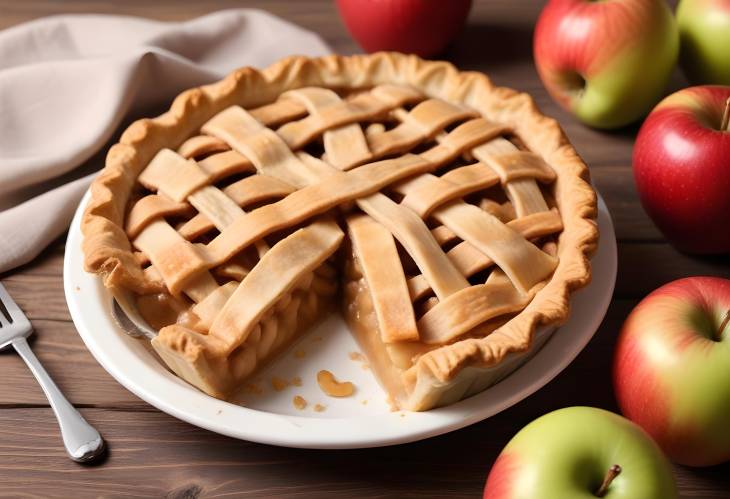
{"x": 445, "y": 217}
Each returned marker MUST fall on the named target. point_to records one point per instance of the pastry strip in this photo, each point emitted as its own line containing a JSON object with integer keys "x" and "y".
{"x": 472, "y": 306}
{"x": 366, "y": 106}
{"x": 345, "y": 146}
{"x": 276, "y": 273}
{"x": 201, "y": 144}
{"x": 524, "y": 193}
{"x": 172, "y": 175}
{"x": 150, "y": 208}
{"x": 509, "y": 250}
{"x": 470, "y": 260}
{"x": 375, "y": 247}
{"x": 249, "y": 190}
{"x": 173, "y": 257}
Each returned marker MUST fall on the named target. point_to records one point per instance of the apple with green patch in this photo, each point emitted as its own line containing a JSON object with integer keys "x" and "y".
{"x": 607, "y": 61}
{"x": 672, "y": 369}
{"x": 581, "y": 453}
{"x": 704, "y": 32}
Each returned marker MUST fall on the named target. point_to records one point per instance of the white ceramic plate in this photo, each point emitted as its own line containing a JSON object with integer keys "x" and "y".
{"x": 363, "y": 420}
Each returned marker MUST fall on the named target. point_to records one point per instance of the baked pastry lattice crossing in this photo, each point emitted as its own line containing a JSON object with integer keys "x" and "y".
{"x": 440, "y": 224}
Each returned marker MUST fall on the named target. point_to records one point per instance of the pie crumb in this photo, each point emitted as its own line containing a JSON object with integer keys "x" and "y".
{"x": 279, "y": 384}
{"x": 364, "y": 402}
{"x": 332, "y": 387}
{"x": 319, "y": 408}
{"x": 299, "y": 402}
{"x": 300, "y": 354}
{"x": 296, "y": 381}
{"x": 356, "y": 356}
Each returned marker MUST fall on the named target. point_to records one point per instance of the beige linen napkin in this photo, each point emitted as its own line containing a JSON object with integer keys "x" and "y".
{"x": 67, "y": 83}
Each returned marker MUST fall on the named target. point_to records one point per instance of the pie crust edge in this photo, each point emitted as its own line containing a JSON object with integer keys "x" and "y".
{"x": 108, "y": 252}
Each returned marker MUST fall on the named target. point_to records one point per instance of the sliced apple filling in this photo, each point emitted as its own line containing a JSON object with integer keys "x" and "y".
{"x": 237, "y": 327}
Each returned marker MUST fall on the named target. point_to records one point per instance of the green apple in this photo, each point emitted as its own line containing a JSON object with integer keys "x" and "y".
{"x": 608, "y": 61}
{"x": 704, "y": 28}
{"x": 581, "y": 453}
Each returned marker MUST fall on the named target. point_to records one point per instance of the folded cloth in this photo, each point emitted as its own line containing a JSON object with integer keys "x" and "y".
{"x": 67, "y": 83}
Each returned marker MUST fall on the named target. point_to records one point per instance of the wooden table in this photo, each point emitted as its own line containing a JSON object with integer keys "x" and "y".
{"x": 153, "y": 454}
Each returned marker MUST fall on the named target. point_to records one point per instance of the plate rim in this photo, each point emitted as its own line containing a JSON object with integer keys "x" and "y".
{"x": 378, "y": 430}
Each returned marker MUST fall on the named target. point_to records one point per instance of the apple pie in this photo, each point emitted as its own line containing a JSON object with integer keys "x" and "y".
{"x": 446, "y": 218}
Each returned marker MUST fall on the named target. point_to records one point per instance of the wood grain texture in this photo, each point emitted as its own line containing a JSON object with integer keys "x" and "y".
{"x": 155, "y": 455}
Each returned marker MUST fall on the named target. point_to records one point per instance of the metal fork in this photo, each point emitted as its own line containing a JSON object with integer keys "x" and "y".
{"x": 83, "y": 443}
{"x": 128, "y": 318}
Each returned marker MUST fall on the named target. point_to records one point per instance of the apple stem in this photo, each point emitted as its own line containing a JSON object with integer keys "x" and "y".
{"x": 724, "y": 323}
{"x": 725, "y": 126}
{"x": 612, "y": 473}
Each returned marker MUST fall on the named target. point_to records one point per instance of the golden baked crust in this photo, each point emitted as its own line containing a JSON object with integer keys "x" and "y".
{"x": 109, "y": 253}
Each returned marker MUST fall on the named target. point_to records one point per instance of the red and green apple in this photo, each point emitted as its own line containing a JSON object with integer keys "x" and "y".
{"x": 704, "y": 33}
{"x": 672, "y": 369}
{"x": 581, "y": 452}
{"x": 682, "y": 168}
{"x": 606, "y": 61}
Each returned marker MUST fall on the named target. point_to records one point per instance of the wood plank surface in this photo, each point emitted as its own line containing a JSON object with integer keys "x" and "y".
{"x": 155, "y": 455}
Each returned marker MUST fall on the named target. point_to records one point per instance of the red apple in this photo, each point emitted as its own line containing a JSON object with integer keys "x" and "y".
{"x": 421, "y": 27}
{"x": 672, "y": 369}
{"x": 682, "y": 168}
{"x": 608, "y": 62}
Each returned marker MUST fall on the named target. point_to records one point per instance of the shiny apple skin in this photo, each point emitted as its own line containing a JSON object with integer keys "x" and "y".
{"x": 671, "y": 377}
{"x": 682, "y": 169}
{"x": 421, "y": 27}
{"x": 565, "y": 455}
{"x": 624, "y": 50}
{"x": 704, "y": 32}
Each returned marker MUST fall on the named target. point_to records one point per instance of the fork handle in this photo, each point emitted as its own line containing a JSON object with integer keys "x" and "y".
{"x": 83, "y": 443}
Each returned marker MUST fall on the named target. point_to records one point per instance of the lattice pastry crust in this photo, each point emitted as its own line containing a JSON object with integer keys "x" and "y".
{"x": 456, "y": 217}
